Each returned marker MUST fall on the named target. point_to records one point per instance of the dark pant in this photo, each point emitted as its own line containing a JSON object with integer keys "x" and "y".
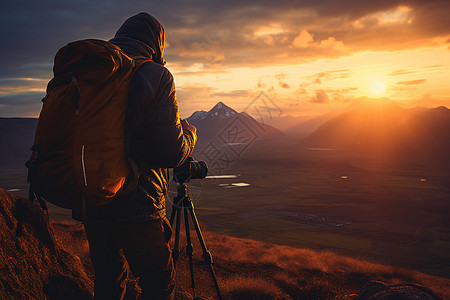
{"x": 117, "y": 247}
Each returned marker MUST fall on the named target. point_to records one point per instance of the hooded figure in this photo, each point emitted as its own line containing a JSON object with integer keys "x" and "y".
{"x": 132, "y": 232}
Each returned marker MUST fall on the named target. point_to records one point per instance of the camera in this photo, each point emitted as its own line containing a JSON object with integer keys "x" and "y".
{"x": 190, "y": 169}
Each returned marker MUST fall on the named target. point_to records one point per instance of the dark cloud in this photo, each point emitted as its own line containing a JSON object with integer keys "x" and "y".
{"x": 24, "y": 104}
{"x": 411, "y": 82}
{"x": 221, "y": 34}
{"x": 17, "y": 85}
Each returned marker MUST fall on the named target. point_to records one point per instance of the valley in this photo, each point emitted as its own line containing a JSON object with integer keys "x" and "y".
{"x": 321, "y": 202}
{"x": 391, "y": 209}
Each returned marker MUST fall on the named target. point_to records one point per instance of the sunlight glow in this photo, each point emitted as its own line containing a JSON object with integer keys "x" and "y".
{"x": 378, "y": 87}
{"x": 342, "y": 79}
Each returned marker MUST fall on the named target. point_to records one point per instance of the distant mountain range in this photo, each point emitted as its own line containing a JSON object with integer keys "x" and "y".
{"x": 211, "y": 124}
{"x": 295, "y": 127}
{"x": 16, "y": 139}
{"x": 384, "y": 129}
{"x": 372, "y": 128}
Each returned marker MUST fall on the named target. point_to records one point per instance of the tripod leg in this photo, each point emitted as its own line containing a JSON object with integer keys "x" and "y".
{"x": 176, "y": 250}
{"x": 172, "y": 214}
{"x": 206, "y": 254}
{"x": 189, "y": 248}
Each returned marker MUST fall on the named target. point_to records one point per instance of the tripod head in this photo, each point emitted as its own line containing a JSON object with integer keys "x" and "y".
{"x": 190, "y": 169}
{"x": 182, "y": 198}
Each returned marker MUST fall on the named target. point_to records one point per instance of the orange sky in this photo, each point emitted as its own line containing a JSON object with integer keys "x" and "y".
{"x": 309, "y": 58}
{"x": 416, "y": 77}
{"x": 312, "y": 74}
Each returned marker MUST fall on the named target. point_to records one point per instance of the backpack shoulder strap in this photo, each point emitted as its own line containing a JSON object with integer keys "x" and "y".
{"x": 139, "y": 61}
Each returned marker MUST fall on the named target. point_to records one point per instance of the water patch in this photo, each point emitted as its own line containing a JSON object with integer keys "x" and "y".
{"x": 320, "y": 149}
{"x": 241, "y": 184}
{"x": 234, "y": 185}
{"x": 13, "y": 190}
{"x": 222, "y": 176}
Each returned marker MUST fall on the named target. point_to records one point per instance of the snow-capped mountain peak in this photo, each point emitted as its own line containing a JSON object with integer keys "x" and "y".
{"x": 199, "y": 115}
{"x": 220, "y": 110}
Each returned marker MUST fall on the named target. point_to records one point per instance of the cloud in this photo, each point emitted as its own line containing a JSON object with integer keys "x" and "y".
{"x": 238, "y": 33}
{"x": 194, "y": 96}
{"x": 235, "y": 93}
{"x": 406, "y": 72}
{"x": 332, "y": 44}
{"x": 433, "y": 67}
{"x": 401, "y": 72}
{"x": 26, "y": 104}
{"x": 411, "y": 82}
{"x": 221, "y": 34}
{"x": 195, "y": 70}
{"x": 343, "y": 95}
{"x": 281, "y": 82}
{"x": 18, "y": 85}
{"x": 330, "y": 75}
{"x": 320, "y": 97}
{"x": 303, "y": 40}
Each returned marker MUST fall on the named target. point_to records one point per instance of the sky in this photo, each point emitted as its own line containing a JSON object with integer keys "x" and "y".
{"x": 307, "y": 57}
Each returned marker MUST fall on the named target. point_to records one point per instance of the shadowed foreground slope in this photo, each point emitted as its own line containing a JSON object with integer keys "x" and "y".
{"x": 35, "y": 265}
{"x": 44, "y": 263}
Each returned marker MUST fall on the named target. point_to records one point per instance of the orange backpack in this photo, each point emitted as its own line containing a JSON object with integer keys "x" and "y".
{"x": 79, "y": 154}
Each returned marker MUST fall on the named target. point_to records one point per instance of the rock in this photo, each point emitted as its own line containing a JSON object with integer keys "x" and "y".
{"x": 376, "y": 290}
{"x": 34, "y": 265}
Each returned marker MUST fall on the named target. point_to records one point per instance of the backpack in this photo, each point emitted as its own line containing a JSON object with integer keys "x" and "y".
{"x": 79, "y": 156}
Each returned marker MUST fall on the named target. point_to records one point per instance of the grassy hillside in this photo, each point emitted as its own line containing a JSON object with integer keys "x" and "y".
{"x": 248, "y": 269}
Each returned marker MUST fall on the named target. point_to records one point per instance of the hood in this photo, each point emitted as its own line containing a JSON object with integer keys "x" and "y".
{"x": 148, "y": 34}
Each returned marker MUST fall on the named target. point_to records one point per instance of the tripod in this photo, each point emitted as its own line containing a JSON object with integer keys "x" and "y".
{"x": 183, "y": 202}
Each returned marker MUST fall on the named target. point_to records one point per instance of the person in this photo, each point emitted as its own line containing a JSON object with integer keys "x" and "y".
{"x": 132, "y": 232}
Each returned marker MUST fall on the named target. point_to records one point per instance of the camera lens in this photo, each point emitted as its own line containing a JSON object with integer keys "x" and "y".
{"x": 191, "y": 169}
{"x": 199, "y": 169}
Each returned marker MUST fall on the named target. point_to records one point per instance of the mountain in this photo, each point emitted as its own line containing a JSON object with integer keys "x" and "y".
{"x": 432, "y": 128}
{"x": 16, "y": 136}
{"x": 384, "y": 129}
{"x": 285, "y": 122}
{"x": 219, "y": 111}
{"x": 308, "y": 126}
{"x": 211, "y": 124}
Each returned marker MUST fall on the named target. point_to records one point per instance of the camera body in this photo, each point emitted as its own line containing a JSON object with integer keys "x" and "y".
{"x": 190, "y": 169}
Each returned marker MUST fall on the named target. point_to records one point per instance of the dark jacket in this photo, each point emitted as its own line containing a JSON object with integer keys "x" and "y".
{"x": 157, "y": 140}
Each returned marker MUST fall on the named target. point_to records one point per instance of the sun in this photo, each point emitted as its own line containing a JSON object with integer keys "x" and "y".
{"x": 378, "y": 87}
